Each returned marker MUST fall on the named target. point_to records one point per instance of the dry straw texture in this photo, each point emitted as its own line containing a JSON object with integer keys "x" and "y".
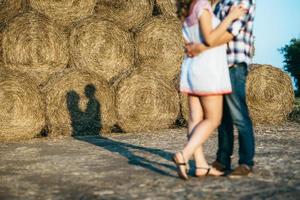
{"x": 130, "y": 13}
{"x": 102, "y": 47}
{"x": 160, "y": 46}
{"x": 79, "y": 103}
{"x": 145, "y": 101}
{"x": 32, "y": 44}
{"x": 64, "y": 12}
{"x": 270, "y": 95}
{"x": 21, "y": 105}
{"x": 10, "y": 8}
{"x": 167, "y": 7}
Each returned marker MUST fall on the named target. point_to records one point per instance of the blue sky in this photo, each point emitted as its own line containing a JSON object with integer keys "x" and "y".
{"x": 276, "y": 23}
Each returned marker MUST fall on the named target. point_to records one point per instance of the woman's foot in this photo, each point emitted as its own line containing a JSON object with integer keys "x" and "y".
{"x": 180, "y": 162}
{"x": 207, "y": 171}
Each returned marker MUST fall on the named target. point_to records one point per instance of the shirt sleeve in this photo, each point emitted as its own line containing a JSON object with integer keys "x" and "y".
{"x": 201, "y": 6}
{"x": 239, "y": 24}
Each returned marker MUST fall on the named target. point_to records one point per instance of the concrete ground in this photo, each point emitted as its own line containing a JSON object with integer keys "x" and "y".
{"x": 138, "y": 166}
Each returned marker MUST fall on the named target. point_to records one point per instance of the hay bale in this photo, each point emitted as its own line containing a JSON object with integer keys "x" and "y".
{"x": 102, "y": 47}
{"x": 167, "y": 7}
{"x": 270, "y": 95}
{"x": 160, "y": 46}
{"x": 10, "y": 8}
{"x": 130, "y": 13}
{"x": 145, "y": 102}
{"x": 33, "y": 44}
{"x": 22, "y": 109}
{"x": 64, "y": 12}
{"x": 79, "y": 103}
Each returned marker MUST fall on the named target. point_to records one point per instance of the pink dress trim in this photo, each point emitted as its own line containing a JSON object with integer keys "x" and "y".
{"x": 188, "y": 92}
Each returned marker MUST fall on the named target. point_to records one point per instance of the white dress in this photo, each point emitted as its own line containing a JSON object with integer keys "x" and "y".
{"x": 206, "y": 73}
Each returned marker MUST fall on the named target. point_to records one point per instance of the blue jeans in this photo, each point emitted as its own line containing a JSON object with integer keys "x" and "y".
{"x": 235, "y": 113}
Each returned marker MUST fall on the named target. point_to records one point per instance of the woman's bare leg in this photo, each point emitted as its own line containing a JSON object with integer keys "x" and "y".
{"x": 212, "y": 109}
{"x": 195, "y": 117}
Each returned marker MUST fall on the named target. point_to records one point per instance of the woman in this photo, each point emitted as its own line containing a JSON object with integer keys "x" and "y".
{"x": 204, "y": 78}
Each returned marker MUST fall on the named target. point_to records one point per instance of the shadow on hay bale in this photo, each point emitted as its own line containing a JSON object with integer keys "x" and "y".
{"x": 270, "y": 95}
{"x": 33, "y": 44}
{"x": 10, "y": 8}
{"x": 22, "y": 108}
{"x": 130, "y": 13}
{"x": 79, "y": 103}
{"x": 145, "y": 102}
{"x": 64, "y": 12}
{"x": 102, "y": 47}
{"x": 183, "y": 99}
{"x": 159, "y": 46}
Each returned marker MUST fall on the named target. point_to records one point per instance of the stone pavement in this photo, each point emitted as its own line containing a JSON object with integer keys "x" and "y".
{"x": 138, "y": 166}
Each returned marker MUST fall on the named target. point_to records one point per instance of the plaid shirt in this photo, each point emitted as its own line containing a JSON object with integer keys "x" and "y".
{"x": 240, "y": 49}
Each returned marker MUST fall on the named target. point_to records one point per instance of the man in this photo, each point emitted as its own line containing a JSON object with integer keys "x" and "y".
{"x": 239, "y": 39}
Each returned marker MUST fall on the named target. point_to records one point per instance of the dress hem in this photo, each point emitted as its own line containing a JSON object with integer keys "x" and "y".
{"x": 205, "y": 94}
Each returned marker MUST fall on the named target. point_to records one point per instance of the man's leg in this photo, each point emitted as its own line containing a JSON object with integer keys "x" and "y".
{"x": 240, "y": 115}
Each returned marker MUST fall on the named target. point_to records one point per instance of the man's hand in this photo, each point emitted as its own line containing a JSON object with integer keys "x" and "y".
{"x": 192, "y": 49}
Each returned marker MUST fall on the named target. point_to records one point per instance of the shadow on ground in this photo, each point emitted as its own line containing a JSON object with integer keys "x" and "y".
{"x": 89, "y": 122}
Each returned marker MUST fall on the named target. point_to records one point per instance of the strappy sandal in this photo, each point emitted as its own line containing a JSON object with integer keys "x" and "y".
{"x": 182, "y": 172}
{"x": 207, "y": 172}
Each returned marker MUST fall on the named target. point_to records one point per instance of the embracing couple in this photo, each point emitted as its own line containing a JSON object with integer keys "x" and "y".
{"x": 219, "y": 42}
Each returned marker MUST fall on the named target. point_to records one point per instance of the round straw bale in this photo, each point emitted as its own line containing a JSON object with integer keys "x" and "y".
{"x": 167, "y": 7}
{"x": 9, "y": 9}
{"x": 33, "y": 44}
{"x": 270, "y": 95}
{"x": 79, "y": 103}
{"x": 130, "y": 13}
{"x": 145, "y": 101}
{"x": 159, "y": 45}
{"x": 64, "y": 12}
{"x": 102, "y": 47}
{"x": 22, "y": 109}
{"x": 165, "y": 70}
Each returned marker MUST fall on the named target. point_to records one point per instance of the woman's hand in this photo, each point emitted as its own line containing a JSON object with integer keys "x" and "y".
{"x": 192, "y": 49}
{"x": 237, "y": 11}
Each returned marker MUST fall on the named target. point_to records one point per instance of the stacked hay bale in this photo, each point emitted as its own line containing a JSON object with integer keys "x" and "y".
{"x": 102, "y": 47}
{"x": 167, "y": 7}
{"x": 22, "y": 109}
{"x": 130, "y": 14}
{"x": 35, "y": 45}
{"x": 270, "y": 95}
{"x": 10, "y": 8}
{"x": 146, "y": 101}
{"x": 159, "y": 46}
{"x": 64, "y": 12}
{"x": 79, "y": 103}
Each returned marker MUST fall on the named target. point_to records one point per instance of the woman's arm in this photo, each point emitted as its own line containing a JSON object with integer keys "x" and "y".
{"x": 211, "y": 36}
